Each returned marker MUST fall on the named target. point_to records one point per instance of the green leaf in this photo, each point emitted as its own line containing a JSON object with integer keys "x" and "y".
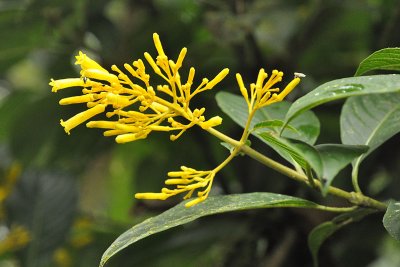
{"x": 179, "y": 215}
{"x": 369, "y": 120}
{"x": 293, "y": 150}
{"x": 343, "y": 88}
{"x": 306, "y": 125}
{"x": 311, "y": 155}
{"x": 334, "y": 158}
{"x": 384, "y": 59}
{"x": 323, "y": 231}
{"x": 304, "y": 128}
{"x": 391, "y": 220}
{"x": 273, "y": 124}
{"x": 318, "y": 236}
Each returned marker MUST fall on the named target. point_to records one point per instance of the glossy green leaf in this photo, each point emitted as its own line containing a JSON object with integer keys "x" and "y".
{"x": 334, "y": 158}
{"x": 179, "y": 215}
{"x": 311, "y": 155}
{"x": 306, "y": 125}
{"x": 323, "y": 231}
{"x": 384, "y": 59}
{"x": 370, "y": 120}
{"x": 343, "y": 88}
{"x": 391, "y": 220}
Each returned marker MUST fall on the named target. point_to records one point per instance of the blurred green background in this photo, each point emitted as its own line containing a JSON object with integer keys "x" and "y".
{"x": 64, "y": 199}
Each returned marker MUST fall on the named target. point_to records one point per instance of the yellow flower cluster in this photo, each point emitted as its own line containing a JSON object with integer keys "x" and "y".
{"x": 137, "y": 107}
{"x": 262, "y": 93}
{"x": 187, "y": 180}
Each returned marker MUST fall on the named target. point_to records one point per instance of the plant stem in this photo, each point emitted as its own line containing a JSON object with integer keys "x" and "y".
{"x": 336, "y": 209}
{"x": 354, "y": 178}
{"x": 353, "y": 197}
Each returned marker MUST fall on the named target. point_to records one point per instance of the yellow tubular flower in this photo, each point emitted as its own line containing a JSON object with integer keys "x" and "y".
{"x": 100, "y": 75}
{"x": 78, "y": 99}
{"x": 158, "y": 45}
{"x": 82, "y": 117}
{"x": 181, "y": 56}
{"x": 87, "y": 63}
{"x": 102, "y": 124}
{"x": 217, "y": 79}
{"x": 188, "y": 181}
{"x": 160, "y": 196}
{"x": 289, "y": 88}
{"x": 152, "y": 63}
{"x": 135, "y": 107}
{"x": 129, "y": 137}
{"x": 242, "y": 88}
{"x": 214, "y": 121}
{"x": 65, "y": 83}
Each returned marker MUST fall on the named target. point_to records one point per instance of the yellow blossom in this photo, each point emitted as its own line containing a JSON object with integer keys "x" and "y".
{"x": 134, "y": 107}
{"x": 188, "y": 181}
{"x": 140, "y": 107}
{"x": 262, "y": 93}
{"x": 65, "y": 83}
{"x": 87, "y": 63}
{"x": 82, "y": 117}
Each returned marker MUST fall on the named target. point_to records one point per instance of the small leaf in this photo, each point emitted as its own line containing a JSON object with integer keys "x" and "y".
{"x": 273, "y": 124}
{"x": 179, "y": 215}
{"x": 302, "y": 153}
{"x": 343, "y": 88}
{"x": 231, "y": 147}
{"x": 334, "y": 158}
{"x": 384, "y": 59}
{"x": 318, "y": 236}
{"x": 323, "y": 231}
{"x": 306, "y": 125}
{"x": 391, "y": 220}
{"x": 370, "y": 120}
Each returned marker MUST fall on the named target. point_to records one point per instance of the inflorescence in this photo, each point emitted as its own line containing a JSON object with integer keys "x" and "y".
{"x": 135, "y": 108}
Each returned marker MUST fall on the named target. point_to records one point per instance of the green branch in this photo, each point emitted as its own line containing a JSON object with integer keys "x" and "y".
{"x": 354, "y": 198}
